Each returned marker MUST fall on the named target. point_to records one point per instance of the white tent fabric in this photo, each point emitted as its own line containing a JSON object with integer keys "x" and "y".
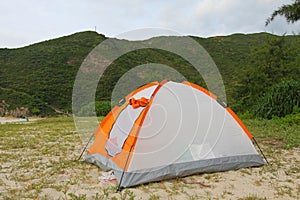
{"x": 123, "y": 125}
{"x": 183, "y": 125}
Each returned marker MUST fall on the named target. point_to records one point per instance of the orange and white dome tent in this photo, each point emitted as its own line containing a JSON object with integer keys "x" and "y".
{"x": 169, "y": 129}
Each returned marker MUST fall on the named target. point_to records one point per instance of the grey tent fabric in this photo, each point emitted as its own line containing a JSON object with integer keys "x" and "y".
{"x": 177, "y": 169}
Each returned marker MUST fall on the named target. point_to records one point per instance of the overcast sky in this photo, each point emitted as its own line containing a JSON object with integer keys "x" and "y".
{"x": 24, "y": 22}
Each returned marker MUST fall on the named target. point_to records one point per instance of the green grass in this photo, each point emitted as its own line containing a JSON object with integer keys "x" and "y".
{"x": 283, "y": 132}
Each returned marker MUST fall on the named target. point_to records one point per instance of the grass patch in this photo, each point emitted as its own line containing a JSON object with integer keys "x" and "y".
{"x": 281, "y": 132}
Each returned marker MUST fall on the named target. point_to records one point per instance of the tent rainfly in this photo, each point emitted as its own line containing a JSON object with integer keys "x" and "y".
{"x": 167, "y": 130}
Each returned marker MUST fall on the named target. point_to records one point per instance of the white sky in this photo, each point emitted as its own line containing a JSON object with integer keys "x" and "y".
{"x": 24, "y": 22}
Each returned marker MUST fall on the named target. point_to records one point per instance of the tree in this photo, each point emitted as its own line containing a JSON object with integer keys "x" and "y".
{"x": 290, "y": 11}
{"x": 267, "y": 66}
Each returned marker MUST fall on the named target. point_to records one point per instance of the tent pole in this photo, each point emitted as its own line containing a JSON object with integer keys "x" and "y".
{"x": 260, "y": 150}
{"x": 86, "y": 146}
{"x": 119, "y": 186}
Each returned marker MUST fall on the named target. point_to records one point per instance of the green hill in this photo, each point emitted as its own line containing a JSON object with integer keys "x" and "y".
{"x": 44, "y": 72}
{"x": 41, "y": 76}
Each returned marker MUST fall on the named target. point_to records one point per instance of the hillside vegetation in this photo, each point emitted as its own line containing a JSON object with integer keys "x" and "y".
{"x": 40, "y": 77}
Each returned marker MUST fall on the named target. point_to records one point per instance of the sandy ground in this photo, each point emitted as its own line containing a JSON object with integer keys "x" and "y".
{"x": 280, "y": 180}
{"x": 40, "y": 170}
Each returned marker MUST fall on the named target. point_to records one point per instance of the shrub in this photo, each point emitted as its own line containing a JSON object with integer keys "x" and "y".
{"x": 19, "y": 112}
{"x": 282, "y": 99}
{"x": 102, "y": 107}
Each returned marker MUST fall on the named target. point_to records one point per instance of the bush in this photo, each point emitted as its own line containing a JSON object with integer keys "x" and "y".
{"x": 19, "y": 112}
{"x": 102, "y": 108}
{"x": 245, "y": 115}
{"x": 282, "y": 99}
{"x": 291, "y": 119}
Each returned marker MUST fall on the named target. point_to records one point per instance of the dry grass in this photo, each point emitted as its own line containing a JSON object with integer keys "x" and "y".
{"x": 38, "y": 161}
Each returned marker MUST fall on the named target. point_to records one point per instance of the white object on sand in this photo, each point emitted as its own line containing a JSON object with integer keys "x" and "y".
{"x": 107, "y": 177}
